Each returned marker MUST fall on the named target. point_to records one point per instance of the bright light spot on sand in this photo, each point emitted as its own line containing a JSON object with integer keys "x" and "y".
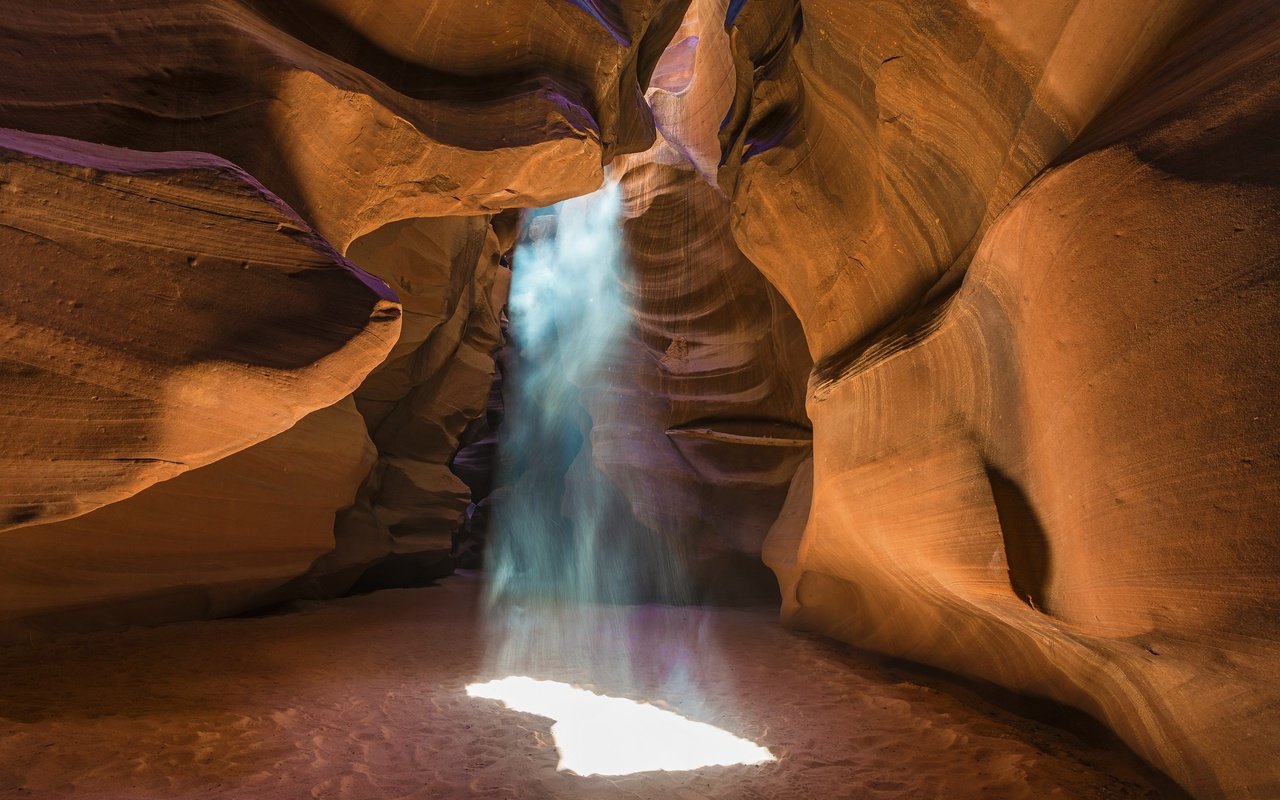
{"x": 601, "y": 735}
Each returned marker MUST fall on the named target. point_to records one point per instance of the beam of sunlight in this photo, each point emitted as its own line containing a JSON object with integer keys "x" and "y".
{"x": 601, "y": 735}
{"x": 569, "y": 566}
{"x": 563, "y": 530}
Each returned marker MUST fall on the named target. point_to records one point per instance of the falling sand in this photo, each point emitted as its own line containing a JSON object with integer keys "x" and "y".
{"x": 366, "y": 698}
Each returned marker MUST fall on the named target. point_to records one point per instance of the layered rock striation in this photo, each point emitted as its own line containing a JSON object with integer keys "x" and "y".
{"x": 704, "y": 423}
{"x": 1010, "y": 267}
{"x": 356, "y": 114}
{"x": 168, "y": 309}
{"x": 161, "y": 311}
{"x": 1035, "y": 258}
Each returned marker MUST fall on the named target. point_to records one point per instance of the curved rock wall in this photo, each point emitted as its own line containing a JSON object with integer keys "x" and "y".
{"x": 356, "y": 113}
{"x": 704, "y": 424}
{"x": 866, "y": 153}
{"x": 160, "y": 312}
{"x": 167, "y": 309}
{"x": 1028, "y": 249}
{"x": 420, "y": 400}
{"x": 1044, "y": 329}
{"x": 212, "y": 542}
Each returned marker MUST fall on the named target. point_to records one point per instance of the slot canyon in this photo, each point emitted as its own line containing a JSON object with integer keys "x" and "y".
{"x": 737, "y": 399}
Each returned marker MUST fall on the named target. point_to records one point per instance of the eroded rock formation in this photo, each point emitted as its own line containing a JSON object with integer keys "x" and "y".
{"x": 356, "y": 113}
{"x": 1043, "y": 410}
{"x": 704, "y": 422}
{"x": 1026, "y": 254}
{"x": 214, "y": 541}
{"x": 203, "y": 315}
{"x": 160, "y": 312}
{"x": 421, "y": 399}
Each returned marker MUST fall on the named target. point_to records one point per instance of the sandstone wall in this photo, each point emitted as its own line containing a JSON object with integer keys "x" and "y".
{"x": 1035, "y": 256}
{"x": 160, "y": 312}
{"x": 1028, "y": 249}
{"x": 355, "y": 113}
{"x": 704, "y": 423}
{"x": 170, "y": 309}
{"x": 423, "y": 397}
{"x": 212, "y": 542}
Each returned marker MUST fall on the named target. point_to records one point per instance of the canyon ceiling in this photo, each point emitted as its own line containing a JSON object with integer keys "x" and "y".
{"x": 964, "y": 315}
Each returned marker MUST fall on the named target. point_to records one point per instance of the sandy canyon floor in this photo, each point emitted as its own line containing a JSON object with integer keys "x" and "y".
{"x": 365, "y": 698}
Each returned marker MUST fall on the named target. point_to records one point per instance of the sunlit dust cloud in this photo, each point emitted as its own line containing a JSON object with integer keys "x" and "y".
{"x": 569, "y": 569}
{"x": 602, "y": 735}
{"x": 562, "y": 531}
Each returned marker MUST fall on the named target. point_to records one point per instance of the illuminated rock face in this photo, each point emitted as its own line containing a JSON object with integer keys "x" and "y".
{"x": 170, "y": 309}
{"x": 704, "y": 423}
{"x": 1014, "y": 264}
{"x": 160, "y": 312}
{"x": 1041, "y": 297}
{"x": 356, "y": 113}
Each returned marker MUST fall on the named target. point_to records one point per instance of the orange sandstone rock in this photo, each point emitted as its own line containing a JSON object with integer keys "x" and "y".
{"x": 161, "y": 311}
{"x": 1044, "y": 397}
{"x": 214, "y": 541}
{"x": 356, "y": 113}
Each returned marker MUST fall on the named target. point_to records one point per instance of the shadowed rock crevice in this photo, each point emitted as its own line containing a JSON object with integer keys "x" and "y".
{"x": 1026, "y": 548}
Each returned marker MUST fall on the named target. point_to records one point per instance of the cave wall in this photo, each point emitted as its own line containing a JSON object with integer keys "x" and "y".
{"x": 418, "y": 403}
{"x": 1035, "y": 258}
{"x": 1025, "y": 255}
{"x": 175, "y": 217}
{"x": 160, "y": 312}
{"x": 704, "y": 422}
{"x": 355, "y": 113}
{"x": 211, "y": 542}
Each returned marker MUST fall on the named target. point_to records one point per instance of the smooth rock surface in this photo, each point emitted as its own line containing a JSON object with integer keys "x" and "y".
{"x": 212, "y": 542}
{"x": 1044, "y": 423}
{"x": 161, "y": 311}
{"x": 356, "y": 113}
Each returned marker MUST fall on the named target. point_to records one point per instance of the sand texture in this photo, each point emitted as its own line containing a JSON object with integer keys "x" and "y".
{"x": 364, "y": 698}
